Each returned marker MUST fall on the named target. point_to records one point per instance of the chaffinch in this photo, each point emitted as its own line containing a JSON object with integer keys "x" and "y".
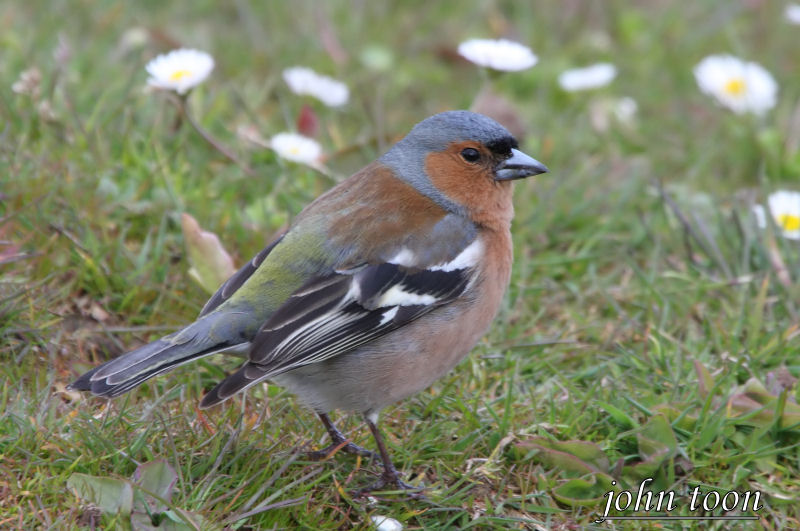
{"x": 379, "y": 287}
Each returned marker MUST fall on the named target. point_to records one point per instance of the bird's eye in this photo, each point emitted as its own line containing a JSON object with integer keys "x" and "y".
{"x": 471, "y": 155}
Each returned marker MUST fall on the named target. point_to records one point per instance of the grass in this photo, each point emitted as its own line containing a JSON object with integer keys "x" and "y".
{"x": 647, "y": 318}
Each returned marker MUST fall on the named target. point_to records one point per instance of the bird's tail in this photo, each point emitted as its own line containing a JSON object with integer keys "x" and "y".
{"x": 122, "y": 374}
{"x": 247, "y": 375}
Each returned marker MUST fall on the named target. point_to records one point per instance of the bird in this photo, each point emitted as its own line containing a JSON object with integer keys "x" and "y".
{"x": 378, "y": 288}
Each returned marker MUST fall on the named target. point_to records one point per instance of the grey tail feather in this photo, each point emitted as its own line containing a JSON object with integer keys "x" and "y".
{"x": 247, "y": 375}
{"x": 122, "y": 374}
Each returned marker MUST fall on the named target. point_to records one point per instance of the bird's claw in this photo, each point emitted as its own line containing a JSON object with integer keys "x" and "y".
{"x": 332, "y": 449}
{"x": 392, "y": 482}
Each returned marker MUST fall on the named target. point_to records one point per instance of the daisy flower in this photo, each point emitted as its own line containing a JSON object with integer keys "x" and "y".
{"x": 590, "y": 77}
{"x": 304, "y": 81}
{"x": 179, "y": 70}
{"x": 792, "y": 13}
{"x": 738, "y": 85}
{"x": 297, "y": 148}
{"x": 784, "y": 207}
{"x": 499, "y": 54}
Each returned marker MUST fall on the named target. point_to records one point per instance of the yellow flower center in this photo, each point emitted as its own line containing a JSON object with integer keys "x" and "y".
{"x": 789, "y": 222}
{"x": 735, "y": 87}
{"x": 177, "y": 75}
{"x": 294, "y": 150}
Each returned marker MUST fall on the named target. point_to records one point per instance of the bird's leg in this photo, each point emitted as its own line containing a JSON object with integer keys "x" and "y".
{"x": 339, "y": 443}
{"x": 390, "y": 477}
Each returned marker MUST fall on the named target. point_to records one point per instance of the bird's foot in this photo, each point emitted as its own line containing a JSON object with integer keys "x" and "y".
{"x": 339, "y": 443}
{"x": 390, "y": 481}
{"x": 339, "y": 446}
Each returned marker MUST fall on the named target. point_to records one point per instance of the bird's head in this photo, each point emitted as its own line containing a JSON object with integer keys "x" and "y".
{"x": 462, "y": 160}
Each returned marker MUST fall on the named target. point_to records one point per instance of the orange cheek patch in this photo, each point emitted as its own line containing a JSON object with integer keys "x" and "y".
{"x": 464, "y": 183}
{"x": 472, "y": 186}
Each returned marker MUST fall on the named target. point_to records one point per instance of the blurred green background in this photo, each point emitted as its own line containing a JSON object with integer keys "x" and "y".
{"x": 649, "y": 318}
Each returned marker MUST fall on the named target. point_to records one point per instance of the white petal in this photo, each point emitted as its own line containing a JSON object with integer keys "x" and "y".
{"x": 590, "y": 77}
{"x": 499, "y": 54}
{"x": 784, "y": 202}
{"x": 304, "y": 81}
{"x": 792, "y": 13}
{"x": 781, "y": 204}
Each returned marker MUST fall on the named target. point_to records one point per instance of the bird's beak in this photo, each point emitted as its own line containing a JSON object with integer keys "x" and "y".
{"x": 518, "y": 166}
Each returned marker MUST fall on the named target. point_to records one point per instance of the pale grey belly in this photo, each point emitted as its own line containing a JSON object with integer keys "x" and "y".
{"x": 393, "y": 367}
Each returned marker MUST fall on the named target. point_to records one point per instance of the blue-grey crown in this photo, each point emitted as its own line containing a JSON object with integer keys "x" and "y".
{"x": 456, "y": 126}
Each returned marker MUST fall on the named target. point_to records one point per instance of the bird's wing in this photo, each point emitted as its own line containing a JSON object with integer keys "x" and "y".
{"x": 341, "y": 311}
{"x": 338, "y": 313}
